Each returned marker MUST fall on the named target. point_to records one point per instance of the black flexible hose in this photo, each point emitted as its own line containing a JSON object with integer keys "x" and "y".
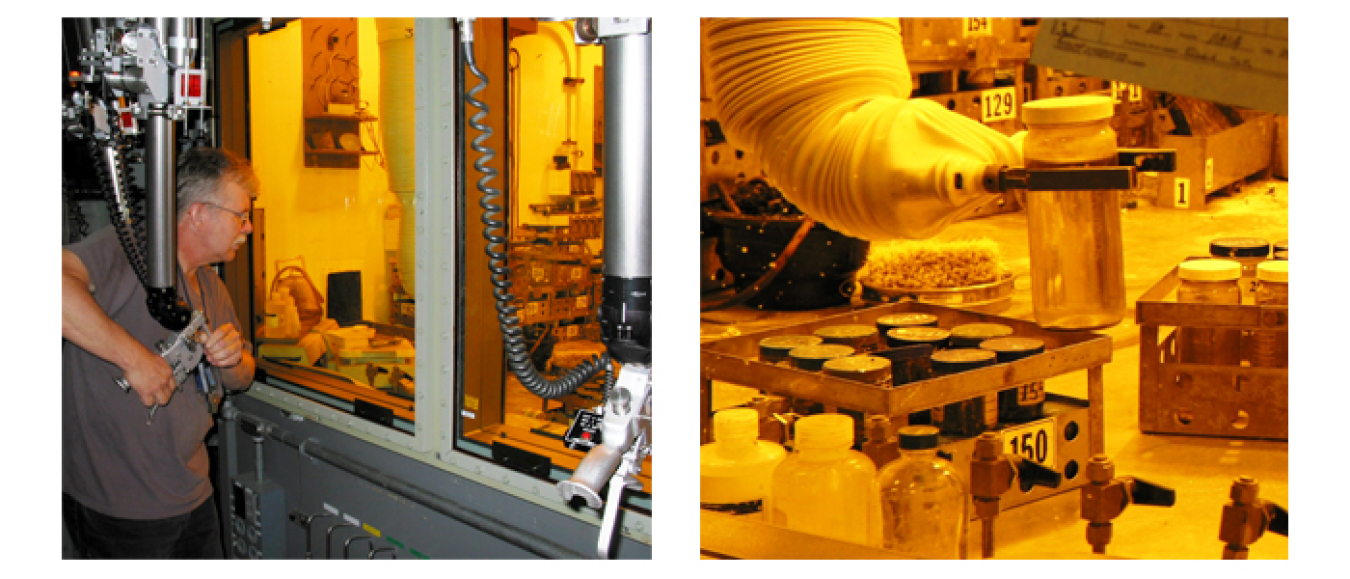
{"x": 517, "y": 355}
{"x": 126, "y": 214}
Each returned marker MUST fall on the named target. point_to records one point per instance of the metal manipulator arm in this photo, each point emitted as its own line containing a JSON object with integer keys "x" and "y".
{"x": 625, "y": 308}
{"x": 151, "y": 60}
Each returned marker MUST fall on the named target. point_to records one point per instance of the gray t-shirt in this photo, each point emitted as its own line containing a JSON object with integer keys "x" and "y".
{"x": 112, "y": 461}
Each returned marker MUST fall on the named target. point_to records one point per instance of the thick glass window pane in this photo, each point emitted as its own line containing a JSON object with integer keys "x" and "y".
{"x": 332, "y": 137}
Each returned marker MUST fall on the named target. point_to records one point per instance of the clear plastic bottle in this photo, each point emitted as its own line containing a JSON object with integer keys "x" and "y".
{"x": 735, "y": 469}
{"x": 1077, "y": 262}
{"x": 1270, "y": 348}
{"x": 1209, "y": 281}
{"x": 824, "y": 487}
{"x": 923, "y": 500}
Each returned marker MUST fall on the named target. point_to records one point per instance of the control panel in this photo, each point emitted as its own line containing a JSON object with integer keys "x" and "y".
{"x": 257, "y": 518}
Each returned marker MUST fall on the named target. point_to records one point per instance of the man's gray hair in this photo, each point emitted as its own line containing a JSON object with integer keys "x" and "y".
{"x": 203, "y": 171}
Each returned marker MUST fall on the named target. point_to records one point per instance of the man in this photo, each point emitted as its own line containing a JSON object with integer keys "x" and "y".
{"x": 132, "y": 489}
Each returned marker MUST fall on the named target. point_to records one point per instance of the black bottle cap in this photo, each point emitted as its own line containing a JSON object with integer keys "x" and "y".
{"x": 918, "y": 437}
{"x": 1239, "y": 247}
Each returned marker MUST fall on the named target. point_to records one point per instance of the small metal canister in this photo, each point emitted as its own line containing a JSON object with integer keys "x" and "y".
{"x": 972, "y": 335}
{"x": 866, "y": 369}
{"x": 964, "y": 418}
{"x": 1248, "y": 251}
{"x": 774, "y": 349}
{"x": 907, "y": 320}
{"x": 901, "y": 337}
{"x": 813, "y": 358}
{"x": 1027, "y": 401}
{"x": 859, "y": 337}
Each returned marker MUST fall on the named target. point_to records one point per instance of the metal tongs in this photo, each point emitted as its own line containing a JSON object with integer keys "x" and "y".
{"x": 1122, "y": 176}
{"x": 182, "y": 350}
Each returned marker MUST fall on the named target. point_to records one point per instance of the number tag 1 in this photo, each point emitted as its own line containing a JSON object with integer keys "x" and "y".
{"x": 998, "y": 104}
{"x": 1033, "y": 441}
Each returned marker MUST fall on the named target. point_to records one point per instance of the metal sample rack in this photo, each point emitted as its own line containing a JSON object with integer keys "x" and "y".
{"x": 736, "y": 360}
{"x": 1232, "y": 401}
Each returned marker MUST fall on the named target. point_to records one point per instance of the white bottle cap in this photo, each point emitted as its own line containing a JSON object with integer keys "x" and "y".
{"x": 825, "y": 431}
{"x": 1276, "y": 271}
{"x": 1069, "y": 109}
{"x": 736, "y": 424}
{"x": 1210, "y": 270}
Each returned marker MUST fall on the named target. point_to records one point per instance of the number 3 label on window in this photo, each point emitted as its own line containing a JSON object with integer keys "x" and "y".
{"x": 998, "y": 104}
{"x": 1034, "y": 441}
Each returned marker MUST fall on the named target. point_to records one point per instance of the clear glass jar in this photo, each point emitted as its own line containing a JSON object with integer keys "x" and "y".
{"x": 1077, "y": 261}
{"x": 1209, "y": 281}
{"x": 735, "y": 469}
{"x": 923, "y": 500}
{"x": 824, "y": 487}
{"x": 1270, "y": 348}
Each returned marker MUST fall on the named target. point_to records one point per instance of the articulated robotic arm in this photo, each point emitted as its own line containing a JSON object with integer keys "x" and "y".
{"x": 824, "y": 105}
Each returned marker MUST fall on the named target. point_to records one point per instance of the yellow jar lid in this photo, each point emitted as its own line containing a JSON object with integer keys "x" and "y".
{"x": 1209, "y": 270}
{"x": 1069, "y": 109}
{"x": 857, "y": 364}
{"x": 846, "y": 331}
{"x": 1275, "y": 271}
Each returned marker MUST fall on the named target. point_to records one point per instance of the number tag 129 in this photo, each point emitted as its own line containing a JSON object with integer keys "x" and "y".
{"x": 1034, "y": 441}
{"x": 998, "y": 104}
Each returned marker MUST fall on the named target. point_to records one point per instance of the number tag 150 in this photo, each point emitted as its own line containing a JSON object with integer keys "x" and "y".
{"x": 1034, "y": 441}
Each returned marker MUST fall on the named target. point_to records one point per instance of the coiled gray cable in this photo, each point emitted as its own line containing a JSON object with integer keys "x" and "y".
{"x": 517, "y": 355}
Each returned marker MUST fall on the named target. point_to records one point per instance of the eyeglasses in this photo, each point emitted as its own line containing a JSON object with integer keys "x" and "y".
{"x": 241, "y": 215}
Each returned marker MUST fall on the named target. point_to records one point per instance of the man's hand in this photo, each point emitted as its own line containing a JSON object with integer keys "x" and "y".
{"x": 150, "y": 377}
{"x": 224, "y": 347}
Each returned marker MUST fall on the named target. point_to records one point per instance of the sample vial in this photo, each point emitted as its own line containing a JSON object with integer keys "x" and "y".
{"x": 736, "y": 468}
{"x": 824, "y": 487}
{"x": 923, "y": 500}
{"x": 774, "y": 349}
{"x": 908, "y": 320}
{"x": 1077, "y": 262}
{"x": 861, "y": 338}
{"x": 813, "y": 358}
{"x": 1270, "y": 348}
{"x": 967, "y": 417}
{"x": 1209, "y": 281}
{"x": 1248, "y": 251}
{"x": 1027, "y": 401}
{"x": 972, "y": 335}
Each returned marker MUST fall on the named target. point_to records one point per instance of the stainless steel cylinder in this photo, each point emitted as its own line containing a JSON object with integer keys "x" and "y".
{"x": 161, "y": 220}
{"x": 628, "y": 156}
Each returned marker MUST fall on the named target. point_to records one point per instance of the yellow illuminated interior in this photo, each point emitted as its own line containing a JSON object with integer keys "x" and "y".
{"x": 330, "y": 210}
